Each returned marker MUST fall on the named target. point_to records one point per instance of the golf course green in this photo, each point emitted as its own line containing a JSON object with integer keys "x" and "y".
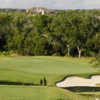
{"x": 33, "y": 69}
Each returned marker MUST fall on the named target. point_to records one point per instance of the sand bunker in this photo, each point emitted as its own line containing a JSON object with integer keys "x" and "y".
{"x": 79, "y": 81}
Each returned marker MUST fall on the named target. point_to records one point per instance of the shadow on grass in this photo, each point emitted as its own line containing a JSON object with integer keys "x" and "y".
{"x": 17, "y": 83}
{"x": 83, "y": 89}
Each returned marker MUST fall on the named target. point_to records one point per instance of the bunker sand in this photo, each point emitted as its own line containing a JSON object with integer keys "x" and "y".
{"x": 79, "y": 81}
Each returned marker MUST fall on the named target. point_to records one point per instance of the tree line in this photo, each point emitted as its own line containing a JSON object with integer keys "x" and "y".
{"x": 67, "y": 33}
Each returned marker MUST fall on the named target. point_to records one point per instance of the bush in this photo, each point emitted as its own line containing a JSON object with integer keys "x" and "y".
{"x": 56, "y": 54}
{"x": 92, "y": 54}
{"x": 6, "y": 53}
{"x": 67, "y": 55}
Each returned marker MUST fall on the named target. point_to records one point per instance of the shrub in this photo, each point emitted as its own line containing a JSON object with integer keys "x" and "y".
{"x": 6, "y": 53}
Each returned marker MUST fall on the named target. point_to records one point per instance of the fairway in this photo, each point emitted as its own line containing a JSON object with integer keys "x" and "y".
{"x": 32, "y": 69}
{"x": 45, "y": 65}
{"x": 37, "y": 93}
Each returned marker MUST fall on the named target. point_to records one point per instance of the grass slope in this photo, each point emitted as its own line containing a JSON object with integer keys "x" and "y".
{"x": 32, "y": 69}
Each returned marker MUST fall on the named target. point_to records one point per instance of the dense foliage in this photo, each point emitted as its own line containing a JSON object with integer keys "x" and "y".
{"x": 66, "y": 33}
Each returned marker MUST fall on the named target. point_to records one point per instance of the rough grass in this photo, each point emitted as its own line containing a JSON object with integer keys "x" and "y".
{"x": 32, "y": 69}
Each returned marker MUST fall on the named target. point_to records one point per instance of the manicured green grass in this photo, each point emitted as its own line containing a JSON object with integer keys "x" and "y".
{"x": 37, "y": 93}
{"x": 32, "y": 69}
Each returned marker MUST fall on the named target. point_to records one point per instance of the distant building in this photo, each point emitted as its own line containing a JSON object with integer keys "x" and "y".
{"x": 41, "y": 11}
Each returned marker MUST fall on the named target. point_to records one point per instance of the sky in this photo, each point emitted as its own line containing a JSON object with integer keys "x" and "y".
{"x": 52, "y": 4}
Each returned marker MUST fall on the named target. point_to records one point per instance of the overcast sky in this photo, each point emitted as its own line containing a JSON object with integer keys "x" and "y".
{"x": 54, "y": 4}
